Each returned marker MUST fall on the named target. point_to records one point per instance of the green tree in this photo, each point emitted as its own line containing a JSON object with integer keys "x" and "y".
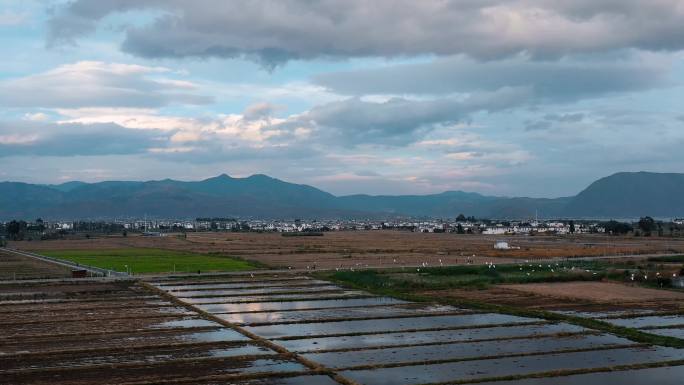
{"x": 647, "y": 225}
{"x": 572, "y": 227}
{"x": 616, "y": 228}
{"x": 461, "y": 218}
{"x": 16, "y": 230}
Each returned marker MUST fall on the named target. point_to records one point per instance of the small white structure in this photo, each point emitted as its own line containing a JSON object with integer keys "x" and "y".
{"x": 501, "y": 245}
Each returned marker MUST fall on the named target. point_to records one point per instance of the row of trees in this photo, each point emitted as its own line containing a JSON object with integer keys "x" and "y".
{"x": 646, "y": 226}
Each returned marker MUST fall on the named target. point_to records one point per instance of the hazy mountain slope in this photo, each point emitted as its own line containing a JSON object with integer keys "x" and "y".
{"x": 623, "y": 195}
{"x": 628, "y": 195}
{"x": 450, "y": 203}
{"x": 23, "y": 200}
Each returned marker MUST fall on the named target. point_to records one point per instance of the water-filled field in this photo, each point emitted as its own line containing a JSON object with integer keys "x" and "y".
{"x": 371, "y": 339}
{"x": 287, "y": 329}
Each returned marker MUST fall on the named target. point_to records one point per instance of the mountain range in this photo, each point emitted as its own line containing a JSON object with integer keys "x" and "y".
{"x": 622, "y": 195}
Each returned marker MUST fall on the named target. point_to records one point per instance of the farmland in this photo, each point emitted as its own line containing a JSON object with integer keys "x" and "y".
{"x": 145, "y": 260}
{"x": 420, "y": 320}
{"x": 16, "y": 267}
{"x": 345, "y": 249}
{"x": 371, "y": 338}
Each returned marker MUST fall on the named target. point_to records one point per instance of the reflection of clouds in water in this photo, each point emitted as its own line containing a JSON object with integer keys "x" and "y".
{"x": 380, "y": 325}
{"x": 220, "y": 335}
{"x": 337, "y": 313}
{"x": 273, "y": 297}
{"x": 266, "y": 291}
{"x": 296, "y": 305}
{"x": 242, "y": 285}
{"x": 407, "y": 338}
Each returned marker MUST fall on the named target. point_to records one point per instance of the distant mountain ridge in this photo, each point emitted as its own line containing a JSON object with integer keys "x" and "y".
{"x": 622, "y": 195}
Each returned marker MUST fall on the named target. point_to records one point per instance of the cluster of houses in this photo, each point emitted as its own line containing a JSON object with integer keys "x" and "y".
{"x": 460, "y": 225}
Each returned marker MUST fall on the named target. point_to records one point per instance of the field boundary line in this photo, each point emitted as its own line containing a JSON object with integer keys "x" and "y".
{"x": 315, "y": 367}
{"x": 62, "y": 262}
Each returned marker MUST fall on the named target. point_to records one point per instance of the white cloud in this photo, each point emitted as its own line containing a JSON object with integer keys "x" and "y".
{"x": 274, "y": 31}
{"x": 97, "y": 84}
{"x": 37, "y": 116}
{"x": 10, "y": 18}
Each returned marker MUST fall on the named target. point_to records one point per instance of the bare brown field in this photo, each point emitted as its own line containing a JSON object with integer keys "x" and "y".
{"x": 13, "y": 266}
{"x": 604, "y": 292}
{"x": 571, "y": 296}
{"x": 138, "y": 338}
{"x": 375, "y": 248}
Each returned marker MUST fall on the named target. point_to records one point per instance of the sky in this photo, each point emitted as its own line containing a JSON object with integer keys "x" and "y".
{"x": 502, "y": 97}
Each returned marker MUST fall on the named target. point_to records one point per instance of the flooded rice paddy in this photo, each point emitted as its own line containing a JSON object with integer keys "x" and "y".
{"x": 366, "y": 339}
{"x": 294, "y": 330}
{"x": 508, "y": 366}
{"x": 120, "y": 332}
{"x": 380, "y": 325}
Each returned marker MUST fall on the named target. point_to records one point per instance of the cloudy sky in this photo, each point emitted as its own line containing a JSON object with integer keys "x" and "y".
{"x": 502, "y": 97}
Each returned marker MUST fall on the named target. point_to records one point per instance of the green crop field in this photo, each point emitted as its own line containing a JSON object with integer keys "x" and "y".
{"x": 671, "y": 259}
{"x": 480, "y": 276}
{"x": 141, "y": 260}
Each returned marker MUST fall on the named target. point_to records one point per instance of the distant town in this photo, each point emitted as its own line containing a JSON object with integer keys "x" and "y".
{"x": 44, "y": 229}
